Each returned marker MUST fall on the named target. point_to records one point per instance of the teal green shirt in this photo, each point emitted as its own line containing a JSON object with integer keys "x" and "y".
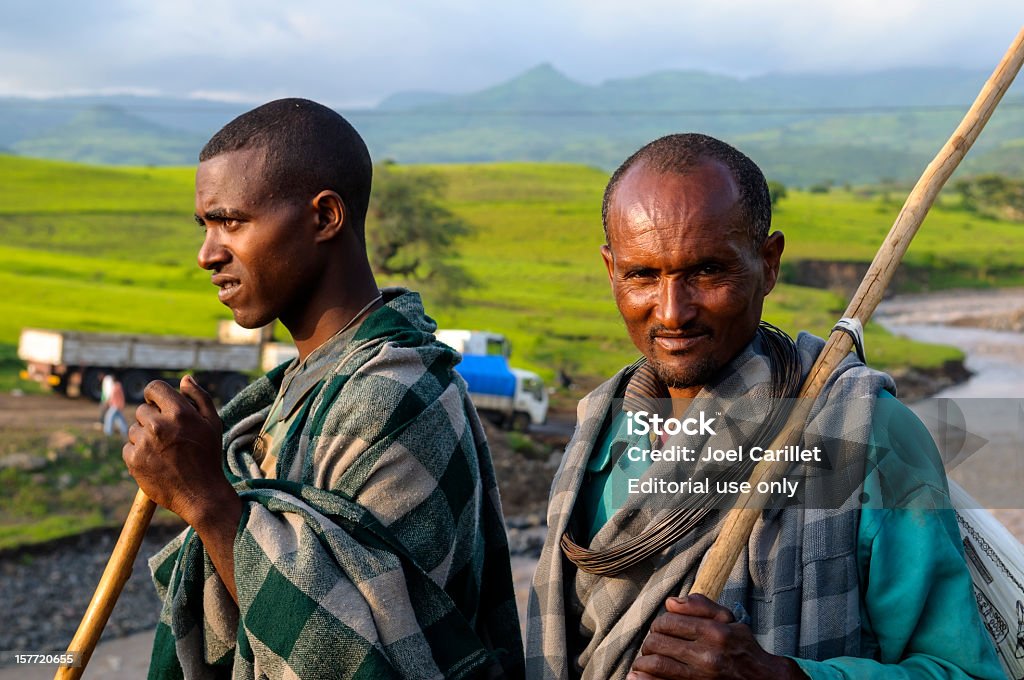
{"x": 906, "y": 628}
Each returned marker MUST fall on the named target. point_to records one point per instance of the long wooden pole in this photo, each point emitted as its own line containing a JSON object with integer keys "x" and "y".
{"x": 740, "y": 521}
{"x": 115, "y": 575}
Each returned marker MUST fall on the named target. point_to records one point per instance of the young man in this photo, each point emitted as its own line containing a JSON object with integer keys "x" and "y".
{"x": 344, "y": 518}
{"x": 849, "y": 582}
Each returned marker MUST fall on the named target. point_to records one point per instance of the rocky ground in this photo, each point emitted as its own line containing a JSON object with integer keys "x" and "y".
{"x": 46, "y": 591}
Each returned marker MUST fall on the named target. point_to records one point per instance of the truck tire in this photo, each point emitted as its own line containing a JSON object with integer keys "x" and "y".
{"x": 72, "y": 382}
{"x": 521, "y": 422}
{"x": 134, "y": 383}
{"x": 92, "y": 383}
{"x": 229, "y": 385}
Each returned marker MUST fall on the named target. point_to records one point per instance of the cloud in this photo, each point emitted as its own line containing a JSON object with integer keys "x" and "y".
{"x": 348, "y": 53}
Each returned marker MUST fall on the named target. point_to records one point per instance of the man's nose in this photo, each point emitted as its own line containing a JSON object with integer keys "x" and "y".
{"x": 212, "y": 253}
{"x": 676, "y": 303}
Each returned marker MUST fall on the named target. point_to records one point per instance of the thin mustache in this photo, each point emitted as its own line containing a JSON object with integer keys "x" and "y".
{"x": 691, "y": 332}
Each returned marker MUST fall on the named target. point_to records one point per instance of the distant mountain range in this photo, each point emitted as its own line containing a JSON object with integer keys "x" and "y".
{"x": 802, "y": 129}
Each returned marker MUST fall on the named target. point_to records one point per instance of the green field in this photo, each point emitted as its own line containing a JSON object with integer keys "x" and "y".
{"x": 97, "y": 248}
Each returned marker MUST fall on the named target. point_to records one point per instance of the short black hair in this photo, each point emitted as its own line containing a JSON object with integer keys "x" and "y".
{"x": 309, "y": 148}
{"x": 680, "y": 154}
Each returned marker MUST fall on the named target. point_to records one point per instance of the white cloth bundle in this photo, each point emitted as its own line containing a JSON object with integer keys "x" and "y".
{"x": 996, "y": 562}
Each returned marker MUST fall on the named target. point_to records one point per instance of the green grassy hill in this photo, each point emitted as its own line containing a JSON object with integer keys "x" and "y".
{"x": 801, "y": 128}
{"x": 106, "y": 134}
{"x": 98, "y": 248}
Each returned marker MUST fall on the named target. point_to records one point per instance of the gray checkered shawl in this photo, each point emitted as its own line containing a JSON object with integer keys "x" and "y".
{"x": 380, "y": 553}
{"x": 797, "y": 577}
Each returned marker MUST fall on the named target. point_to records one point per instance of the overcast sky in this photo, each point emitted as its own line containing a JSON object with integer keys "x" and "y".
{"x": 348, "y": 53}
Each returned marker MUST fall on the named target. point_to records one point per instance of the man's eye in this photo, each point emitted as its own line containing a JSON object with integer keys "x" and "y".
{"x": 640, "y": 274}
{"x": 710, "y": 270}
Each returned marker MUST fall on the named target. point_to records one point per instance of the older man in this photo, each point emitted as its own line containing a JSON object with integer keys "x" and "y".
{"x": 862, "y": 579}
{"x": 347, "y": 524}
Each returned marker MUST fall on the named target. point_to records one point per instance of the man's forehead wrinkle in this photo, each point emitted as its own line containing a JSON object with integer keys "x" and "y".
{"x": 661, "y": 204}
{"x": 660, "y": 225}
{"x": 639, "y": 216}
{"x": 651, "y": 237}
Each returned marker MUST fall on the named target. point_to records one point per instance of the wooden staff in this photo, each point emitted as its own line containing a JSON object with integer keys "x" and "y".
{"x": 116, "y": 573}
{"x": 740, "y": 521}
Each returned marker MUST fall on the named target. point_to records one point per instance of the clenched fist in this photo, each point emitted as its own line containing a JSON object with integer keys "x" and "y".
{"x": 174, "y": 449}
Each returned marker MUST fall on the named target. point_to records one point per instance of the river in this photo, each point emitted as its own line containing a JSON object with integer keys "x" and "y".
{"x": 988, "y": 326}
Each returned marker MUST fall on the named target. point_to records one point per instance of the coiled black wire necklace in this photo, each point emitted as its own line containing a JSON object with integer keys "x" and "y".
{"x": 784, "y": 365}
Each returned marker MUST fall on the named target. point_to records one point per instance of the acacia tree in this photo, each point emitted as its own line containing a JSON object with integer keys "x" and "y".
{"x": 993, "y": 196}
{"x": 411, "y": 237}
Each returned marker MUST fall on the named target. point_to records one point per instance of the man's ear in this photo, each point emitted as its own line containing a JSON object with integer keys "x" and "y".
{"x": 331, "y": 215}
{"x": 609, "y": 262}
{"x": 771, "y": 256}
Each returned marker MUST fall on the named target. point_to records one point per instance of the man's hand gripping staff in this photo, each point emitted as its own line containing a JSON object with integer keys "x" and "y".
{"x": 698, "y": 638}
{"x": 173, "y": 449}
{"x": 174, "y": 453}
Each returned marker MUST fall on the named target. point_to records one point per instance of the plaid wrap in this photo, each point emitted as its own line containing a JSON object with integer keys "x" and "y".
{"x": 380, "y": 552}
{"x": 799, "y": 566}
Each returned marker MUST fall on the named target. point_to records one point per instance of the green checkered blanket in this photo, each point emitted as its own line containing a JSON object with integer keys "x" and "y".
{"x": 381, "y": 553}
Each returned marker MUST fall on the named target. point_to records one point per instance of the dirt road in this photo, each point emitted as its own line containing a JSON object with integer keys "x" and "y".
{"x": 46, "y": 412}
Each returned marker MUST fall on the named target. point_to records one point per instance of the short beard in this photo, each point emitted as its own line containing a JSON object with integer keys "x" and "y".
{"x": 697, "y": 375}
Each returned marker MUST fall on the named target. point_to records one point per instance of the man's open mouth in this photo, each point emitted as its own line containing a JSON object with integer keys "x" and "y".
{"x": 228, "y": 286}
{"x": 226, "y": 291}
